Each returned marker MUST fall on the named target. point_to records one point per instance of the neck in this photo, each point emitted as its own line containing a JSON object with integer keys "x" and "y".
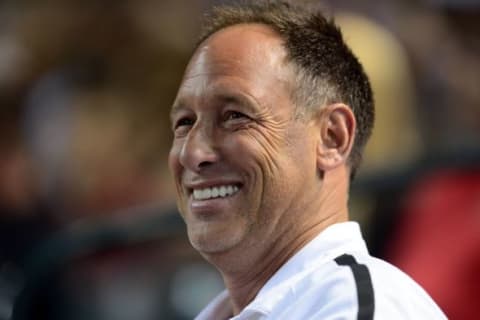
{"x": 243, "y": 286}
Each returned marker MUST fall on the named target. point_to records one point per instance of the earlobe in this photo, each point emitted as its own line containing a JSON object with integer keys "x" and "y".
{"x": 336, "y": 124}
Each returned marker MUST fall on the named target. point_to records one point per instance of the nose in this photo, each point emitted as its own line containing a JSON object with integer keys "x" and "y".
{"x": 198, "y": 151}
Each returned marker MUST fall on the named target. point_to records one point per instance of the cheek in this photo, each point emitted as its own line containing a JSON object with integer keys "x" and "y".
{"x": 266, "y": 148}
{"x": 173, "y": 161}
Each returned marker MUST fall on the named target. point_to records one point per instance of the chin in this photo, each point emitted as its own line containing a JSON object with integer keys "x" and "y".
{"x": 209, "y": 243}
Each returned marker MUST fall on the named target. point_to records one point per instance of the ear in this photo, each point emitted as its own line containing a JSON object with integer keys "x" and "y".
{"x": 337, "y": 125}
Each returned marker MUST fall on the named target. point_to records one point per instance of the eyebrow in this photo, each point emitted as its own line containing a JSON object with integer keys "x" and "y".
{"x": 177, "y": 107}
{"x": 234, "y": 98}
{"x": 226, "y": 96}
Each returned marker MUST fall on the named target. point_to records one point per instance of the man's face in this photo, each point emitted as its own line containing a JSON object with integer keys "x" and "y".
{"x": 244, "y": 167}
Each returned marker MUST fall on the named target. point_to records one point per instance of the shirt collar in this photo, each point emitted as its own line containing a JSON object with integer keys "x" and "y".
{"x": 218, "y": 308}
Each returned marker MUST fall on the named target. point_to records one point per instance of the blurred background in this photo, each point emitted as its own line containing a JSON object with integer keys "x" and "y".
{"x": 88, "y": 225}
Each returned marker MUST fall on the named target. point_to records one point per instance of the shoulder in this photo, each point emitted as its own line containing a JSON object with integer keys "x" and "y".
{"x": 359, "y": 287}
{"x": 395, "y": 294}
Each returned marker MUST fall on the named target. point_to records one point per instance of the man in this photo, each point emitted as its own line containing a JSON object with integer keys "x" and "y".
{"x": 269, "y": 125}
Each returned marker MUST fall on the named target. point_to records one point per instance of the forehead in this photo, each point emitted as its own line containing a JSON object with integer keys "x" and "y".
{"x": 243, "y": 45}
{"x": 248, "y": 57}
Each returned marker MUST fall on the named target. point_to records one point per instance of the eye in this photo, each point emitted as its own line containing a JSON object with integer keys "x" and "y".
{"x": 182, "y": 126}
{"x": 234, "y": 115}
{"x": 184, "y": 122}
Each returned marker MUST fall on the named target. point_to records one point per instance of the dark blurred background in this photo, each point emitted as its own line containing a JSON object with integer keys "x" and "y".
{"x": 88, "y": 225}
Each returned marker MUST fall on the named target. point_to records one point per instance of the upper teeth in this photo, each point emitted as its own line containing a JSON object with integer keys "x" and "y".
{"x": 214, "y": 192}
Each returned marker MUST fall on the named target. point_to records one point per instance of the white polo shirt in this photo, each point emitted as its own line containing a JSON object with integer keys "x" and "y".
{"x": 333, "y": 277}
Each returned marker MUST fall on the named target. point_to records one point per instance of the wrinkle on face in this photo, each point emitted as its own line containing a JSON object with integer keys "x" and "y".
{"x": 268, "y": 136}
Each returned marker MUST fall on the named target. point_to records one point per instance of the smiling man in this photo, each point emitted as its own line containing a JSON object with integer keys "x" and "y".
{"x": 269, "y": 123}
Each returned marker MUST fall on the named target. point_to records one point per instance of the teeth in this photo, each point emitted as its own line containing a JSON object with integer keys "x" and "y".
{"x": 222, "y": 192}
{"x": 215, "y": 192}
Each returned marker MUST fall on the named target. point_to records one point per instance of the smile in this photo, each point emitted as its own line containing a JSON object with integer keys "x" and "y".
{"x": 214, "y": 192}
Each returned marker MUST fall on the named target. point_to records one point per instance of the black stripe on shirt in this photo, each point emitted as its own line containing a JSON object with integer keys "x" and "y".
{"x": 363, "y": 281}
